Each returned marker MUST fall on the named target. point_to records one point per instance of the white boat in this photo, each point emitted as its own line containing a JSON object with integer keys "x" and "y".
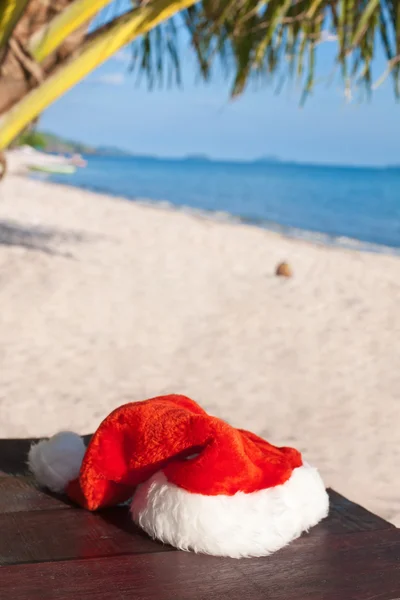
{"x": 26, "y": 159}
{"x": 62, "y": 169}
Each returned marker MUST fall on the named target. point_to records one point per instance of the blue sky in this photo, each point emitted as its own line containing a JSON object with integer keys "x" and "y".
{"x": 109, "y": 108}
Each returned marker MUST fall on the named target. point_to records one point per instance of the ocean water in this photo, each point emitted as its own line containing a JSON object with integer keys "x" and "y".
{"x": 338, "y": 205}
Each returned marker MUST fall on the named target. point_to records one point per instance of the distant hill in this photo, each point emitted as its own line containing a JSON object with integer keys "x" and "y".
{"x": 49, "y": 142}
{"x": 198, "y": 157}
{"x": 267, "y": 159}
{"x": 54, "y": 143}
{"x": 110, "y": 151}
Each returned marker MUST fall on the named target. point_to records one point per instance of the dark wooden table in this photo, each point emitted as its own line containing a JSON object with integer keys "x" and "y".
{"x": 52, "y": 550}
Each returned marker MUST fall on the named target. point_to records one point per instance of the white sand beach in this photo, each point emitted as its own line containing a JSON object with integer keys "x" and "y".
{"x": 103, "y": 301}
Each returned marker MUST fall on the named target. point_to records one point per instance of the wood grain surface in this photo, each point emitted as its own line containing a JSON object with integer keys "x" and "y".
{"x": 52, "y": 550}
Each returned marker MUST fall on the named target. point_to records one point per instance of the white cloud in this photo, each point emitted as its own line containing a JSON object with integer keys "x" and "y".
{"x": 111, "y": 79}
{"x": 327, "y": 36}
{"x": 123, "y": 56}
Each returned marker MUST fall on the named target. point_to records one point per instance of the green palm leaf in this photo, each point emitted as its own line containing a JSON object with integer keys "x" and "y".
{"x": 249, "y": 38}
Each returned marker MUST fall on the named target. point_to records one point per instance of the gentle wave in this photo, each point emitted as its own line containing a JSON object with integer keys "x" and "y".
{"x": 286, "y": 231}
{"x": 351, "y": 208}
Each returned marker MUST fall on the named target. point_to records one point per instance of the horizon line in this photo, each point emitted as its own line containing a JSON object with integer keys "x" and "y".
{"x": 203, "y": 157}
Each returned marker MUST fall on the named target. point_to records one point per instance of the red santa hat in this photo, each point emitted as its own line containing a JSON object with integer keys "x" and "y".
{"x": 197, "y": 483}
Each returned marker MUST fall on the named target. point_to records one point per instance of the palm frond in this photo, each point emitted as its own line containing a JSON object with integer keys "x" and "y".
{"x": 100, "y": 46}
{"x": 10, "y": 13}
{"x": 253, "y": 38}
{"x": 52, "y": 34}
{"x": 262, "y": 39}
{"x": 266, "y": 38}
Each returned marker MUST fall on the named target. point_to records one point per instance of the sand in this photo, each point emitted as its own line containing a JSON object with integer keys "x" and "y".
{"x": 104, "y": 301}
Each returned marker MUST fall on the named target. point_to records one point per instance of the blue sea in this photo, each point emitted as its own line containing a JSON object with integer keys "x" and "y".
{"x": 354, "y": 207}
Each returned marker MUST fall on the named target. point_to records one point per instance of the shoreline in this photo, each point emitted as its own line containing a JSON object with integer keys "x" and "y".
{"x": 316, "y": 238}
{"x": 105, "y": 302}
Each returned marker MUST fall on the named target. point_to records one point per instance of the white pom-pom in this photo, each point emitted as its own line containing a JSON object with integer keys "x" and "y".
{"x": 57, "y": 461}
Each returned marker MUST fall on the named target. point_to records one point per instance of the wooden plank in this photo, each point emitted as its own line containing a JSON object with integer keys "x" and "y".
{"x": 48, "y": 535}
{"x": 349, "y": 567}
{"x": 14, "y": 452}
{"x": 30, "y": 524}
{"x": 346, "y": 516}
{"x": 13, "y": 455}
{"x": 19, "y": 494}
